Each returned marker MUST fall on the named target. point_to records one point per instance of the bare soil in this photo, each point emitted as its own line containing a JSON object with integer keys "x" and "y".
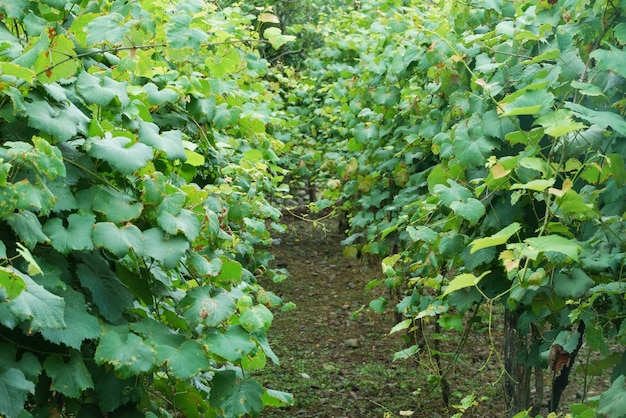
{"x": 337, "y": 355}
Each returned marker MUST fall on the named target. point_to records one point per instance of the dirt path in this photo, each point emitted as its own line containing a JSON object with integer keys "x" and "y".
{"x": 336, "y": 364}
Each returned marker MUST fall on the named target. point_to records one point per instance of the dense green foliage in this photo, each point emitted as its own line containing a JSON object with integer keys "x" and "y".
{"x": 479, "y": 149}
{"x": 135, "y": 160}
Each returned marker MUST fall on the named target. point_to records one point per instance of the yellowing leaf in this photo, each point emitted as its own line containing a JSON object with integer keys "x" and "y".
{"x": 268, "y": 18}
{"x": 498, "y": 238}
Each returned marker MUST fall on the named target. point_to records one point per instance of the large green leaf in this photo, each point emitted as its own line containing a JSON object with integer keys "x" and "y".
{"x": 174, "y": 219}
{"x": 35, "y": 304}
{"x": 14, "y": 390}
{"x": 454, "y": 193}
{"x": 71, "y": 378}
{"x": 572, "y": 284}
{"x": 34, "y": 197}
{"x": 256, "y": 318}
{"x": 81, "y": 325}
{"x": 613, "y": 401}
{"x": 127, "y": 352}
{"x": 115, "y": 205}
{"x": 109, "y": 294}
{"x": 604, "y": 119}
{"x": 180, "y": 35}
{"x": 171, "y": 142}
{"x": 106, "y": 29}
{"x": 207, "y": 306}
{"x": 118, "y": 241}
{"x": 77, "y": 236}
{"x": 471, "y": 209}
{"x": 186, "y": 360}
{"x": 169, "y": 251}
{"x": 61, "y": 121}
{"x": 559, "y": 122}
{"x": 120, "y": 152}
{"x": 59, "y": 62}
{"x": 234, "y": 397}
{"x": 101, "y": 89}
{"x": 554, "y": 243}
{"x": 232, "y": 344}
{"x": 612, "y": 60}
{"x": 526, "y": 102}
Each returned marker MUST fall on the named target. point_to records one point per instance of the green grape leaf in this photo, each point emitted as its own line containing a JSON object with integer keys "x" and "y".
{"x": 612, "y": 60}
{"x": 109, "y": 294}
{"x": 207, "y": 306}
{"x": 559, "y": 122}
{"x": 171, "y": 142}
{"x": 366, "y": 132}
{"x": 554, "y": 243}
{"x": 34, "y": 197}
{"x": 77, "y": 236}
{"x": 106, "y": 29}
{"x": 276, "y": 38}
{"x": 277, "y": 398}
{"x": 101, "y": 90}
{"x": 454, "y": 193}
{"x": 15, "y": 9}
{"x": 613, "y": 401}
{"x": 49, "y": 158}
{"x": 499, "y": 238}
{"x": 118, "y": 241}
{"x": 71, "y": 378}
{"x": 387, "y": 95}
{"x": 180, "y": 35}
{"x": 472, "y": 209}
{"x": 203, "y": 267}
{"x": 35, "y": 304}
{"x": 422, "y": 233}
{"x": 62, "y": 121}
{"x": 115, "y": 205}
{"x": 603, "y": 119}
{"x": 230, "y": 272}
{"x": 157, "y": 97}
{"x": 255, "y": 318}
{"x": 526, "y": 102}
{"x": 168, "y": 251}
{"x": 128, "y": 353}
{"x": 234, "y": 397}
{"x": 120, "y": 153}
{"x": 154, "y": 188}
{"x": 186, "y": 360}
{"x": 173, "y": 219}
{"x": 572, "y": 284}
{"x": 14, "y": 390}
{"x": 81, "y": 325}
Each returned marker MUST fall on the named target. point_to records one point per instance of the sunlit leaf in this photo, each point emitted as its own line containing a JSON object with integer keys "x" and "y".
{"x": 499, "y": 238}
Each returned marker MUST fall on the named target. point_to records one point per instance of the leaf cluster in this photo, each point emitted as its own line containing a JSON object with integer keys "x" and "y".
{"x": 136, "y": 155}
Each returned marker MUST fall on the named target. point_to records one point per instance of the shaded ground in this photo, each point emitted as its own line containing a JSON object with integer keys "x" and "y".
{"x": 338, "y": 363}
